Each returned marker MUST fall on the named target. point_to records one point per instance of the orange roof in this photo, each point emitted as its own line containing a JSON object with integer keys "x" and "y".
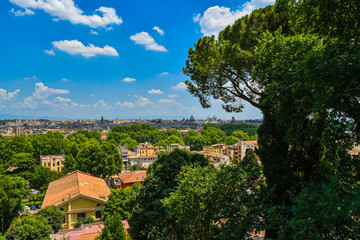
{"x": 131, "y": 177}
{"x": 252, "y": 142}
{"x": 89, "y": 236}
{"x": 73, "y": 185}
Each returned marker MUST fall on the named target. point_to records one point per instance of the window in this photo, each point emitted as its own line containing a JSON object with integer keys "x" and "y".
{"x": 58, "y": 163}
{"x": 53, "y": 164}
{"x": 80, "y": 215}
{"x": 63, "y": 220}
{"x": 58, "y": 169}
{"x": 48, "y": 164}
{"x": 98, "y": 214}
{"x": 98, "y": 205}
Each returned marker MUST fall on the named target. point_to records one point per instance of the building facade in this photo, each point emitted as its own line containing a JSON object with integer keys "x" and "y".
{"x": 53, "y": 162}
{"x": 77, "y": 195}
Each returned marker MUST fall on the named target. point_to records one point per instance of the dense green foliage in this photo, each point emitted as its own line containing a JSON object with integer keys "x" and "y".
{"x": 99, "y": 159}
{"x": 117, "y": 204}
{"x": 30, "y": 228}
{"x": 53, "y": 215}
{"x": 214, "y": 204}
{"x": 113, "y": 229}
{"x": 299, "y": 63}
{"x": 211, "y": 134}
{"x": 12, "y": 191}
{"x": 149, "y": 219}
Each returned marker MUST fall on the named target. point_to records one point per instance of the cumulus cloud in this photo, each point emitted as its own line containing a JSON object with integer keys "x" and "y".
{"x": 74, "y": 47}
{"x": 62, "y": 100}
{"x": 216, "y": 18}
{"x": 144, "y": 38}
{"x": 94, "y": 32}
{"x": 143, "y": 101}
{"x": 125, "y": 104}
{"x": 155, "y": 91}
{"x": 67, "y": 10}
{"x": 173, "y": 96}
{"x": 160, "y": 31}
{"x": 64, "y": 79}
{"x": 164, "y": 74}
{"x": 30, "y": 78}
{"x": 6, "y": 96}
{"x": 50, "y": 52}
{"x": 41, "y": 94}
{"x": 22, "y": 13}
{"x": 101, "y": 104}
{"x": 180, "y": 86}
{"x": 128, "y": 79}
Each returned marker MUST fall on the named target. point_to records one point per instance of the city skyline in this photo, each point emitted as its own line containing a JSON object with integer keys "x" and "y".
{"x": 85, "y": 59}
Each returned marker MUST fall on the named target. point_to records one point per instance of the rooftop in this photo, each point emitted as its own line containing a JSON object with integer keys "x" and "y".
{"x": 131, "y": 177}
{"x": 73, "y": 185}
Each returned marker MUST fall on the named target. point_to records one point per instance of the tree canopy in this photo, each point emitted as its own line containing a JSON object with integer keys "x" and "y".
{"x": 297, "y": 62}
{"x": 30, "y": 228}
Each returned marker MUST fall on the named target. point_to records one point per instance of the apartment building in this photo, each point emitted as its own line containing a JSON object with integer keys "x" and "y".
{"x": 54, "y": 162}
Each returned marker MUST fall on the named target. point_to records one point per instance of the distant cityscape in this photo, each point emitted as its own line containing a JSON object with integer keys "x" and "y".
{"x": 12, "y": 127}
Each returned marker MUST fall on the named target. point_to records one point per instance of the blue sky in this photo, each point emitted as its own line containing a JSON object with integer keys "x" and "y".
{"x": 119, "y": 59}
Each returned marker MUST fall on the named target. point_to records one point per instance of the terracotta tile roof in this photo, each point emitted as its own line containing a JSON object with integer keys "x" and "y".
{"x": 89, "y": 236}
{"x": 132, "y": 177}
{"x": 75, "y": 184}
{"x": 252, "y": 142}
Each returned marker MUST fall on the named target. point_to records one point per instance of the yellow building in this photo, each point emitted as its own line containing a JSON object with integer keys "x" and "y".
{"x": 77, "y": 195}
{"x": 54, "y": 162}
{"x": 216, "y": 148}
{"x": 145, "y": 149}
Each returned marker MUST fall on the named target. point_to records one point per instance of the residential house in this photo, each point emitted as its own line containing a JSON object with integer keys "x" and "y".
{"x": 77, "y": 195}
{"x": 145, "y": 155}
{"x": 125, "y": 153}
{"x": 127, "y": 179}
{"x": 237, "y": 151}
{"x": 144, "y": 149}
{"x": 216, "y": 148}
{"x": 54, "y": 162}
{"x": 215, "y": 159}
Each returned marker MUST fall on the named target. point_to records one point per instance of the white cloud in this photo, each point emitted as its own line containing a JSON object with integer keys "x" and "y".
{"x": 30, "y": 78}
{"x": 125, "y": 104}
{"x": 173, "y": 96}
{"x": 22, "y": 13}
{"x": 76, "y": 47}
{"x": 50, "y": 52}
{"x": 216, "y": 18}
{"x": 67, "y": 10}
{"x": 102, "y": 104}
{"x": 41, "y": 94}
{"x": 180, "y": 86}
{"x": 6, "y": 96}
{"x": 160, "y": 31}
{"x": 146, "y": 40}
{"x": 94, "y": 32}
{"x": 169, "y": 101}
{"x": 164, "y": 74}
{"x": 64, "y": 79}
{"x": 62, "y": 100}
{"x": 128, "y": 79}
{"x": 196, "y": 18}
{"x": 155, "y": 91}
{"x": 142, "y": 101}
